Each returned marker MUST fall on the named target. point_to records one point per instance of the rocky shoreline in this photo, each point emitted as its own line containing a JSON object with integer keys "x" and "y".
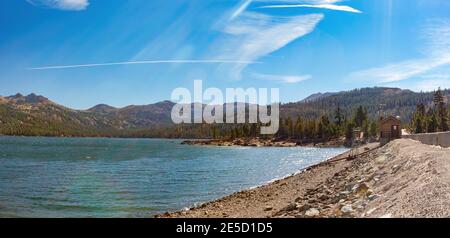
{"x": 260, "y": 142}
{"x": 401, "y": 179}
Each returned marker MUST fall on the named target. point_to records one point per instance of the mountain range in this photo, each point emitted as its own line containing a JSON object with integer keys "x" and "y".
{"x": 37, "y": 115}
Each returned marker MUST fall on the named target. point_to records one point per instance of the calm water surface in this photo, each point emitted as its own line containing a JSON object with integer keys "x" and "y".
{"x": 91, "y": 177}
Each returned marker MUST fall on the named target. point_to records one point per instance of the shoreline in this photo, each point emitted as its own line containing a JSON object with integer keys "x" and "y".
{"x": 182, "y": 212}
{"x": 260, "y": 142}
{"x": 404, "y": 178}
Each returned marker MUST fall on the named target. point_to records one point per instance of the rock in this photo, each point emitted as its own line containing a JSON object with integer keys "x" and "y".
{"x": 389, "y": 215}
{"x": 360, "y": 189}
{"x": 347, "y": 209}
{"x": 376, "y": 179}
{"x": 387, "y": 187}
{"x": 299, "y": 199}
{"x": 290, "y": 207}
{"x": 371, "y": 211}
{"x": 344, "y": 194}
{"x": 373, "y": 197}
{"x": 268, "y": 208}
{"x": 395, "y": 168}
{"x": 312, "y": 212}
{"x": 323, "y": 197}
{"x": 304, "y": 208}
{"x": 312, "y": 201}
{"x": 335, "y": 199}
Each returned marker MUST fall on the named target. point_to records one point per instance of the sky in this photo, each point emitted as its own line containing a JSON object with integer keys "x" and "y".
{"x": 80, "y": 53}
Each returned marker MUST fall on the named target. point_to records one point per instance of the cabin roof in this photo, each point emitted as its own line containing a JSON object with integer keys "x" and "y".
{"x": 390, "y": 118}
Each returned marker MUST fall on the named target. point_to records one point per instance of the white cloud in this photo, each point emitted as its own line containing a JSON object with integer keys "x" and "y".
{"x": 252, "y": 35}
{"x": 255, "y": 35}
{"x": 283, "y": 78}
{"x": 436, "y": 54}
{"x": 400, "y": 71}
{"x": 70, "y": 5}
{"x": 322, "y": 6}
{"x": 431, "y": 85}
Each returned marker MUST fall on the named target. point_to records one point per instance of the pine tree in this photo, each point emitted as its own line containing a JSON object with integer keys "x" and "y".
{"x": 338, "y": 116}
{"x": 365, "y": 129}
{"x": 349, "y": 131}
{"x": 439, "y": 104}
{"x": 299, "y": 128}
{"x": 432, "y": 122}
{"x": 419, "y": 119}
{"x": 373, "y": 129}
{"x": 360, "y": 116}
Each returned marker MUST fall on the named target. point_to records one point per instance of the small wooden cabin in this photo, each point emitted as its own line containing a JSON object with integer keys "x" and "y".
{"x": 390, "y": 129}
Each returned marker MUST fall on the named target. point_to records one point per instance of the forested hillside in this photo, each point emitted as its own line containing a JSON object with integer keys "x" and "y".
{"x": 318, "y": 116}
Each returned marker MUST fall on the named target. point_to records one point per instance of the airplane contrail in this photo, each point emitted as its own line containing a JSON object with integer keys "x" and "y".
{"x": 147, "y": 62}
{"x": 323, "y": 6}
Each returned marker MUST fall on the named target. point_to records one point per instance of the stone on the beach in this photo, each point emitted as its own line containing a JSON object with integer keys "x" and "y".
{"x": 312, "y": 212}
{"x": 323, "y": 197}
{"x": 347, "y": 209}
{"x": 389, "y": 215}
{"x": 290, "y": 207}
{"x": 360, "y": 188}
{"x": 373, "y": 197}
{"x": 299, "y": 199}
{"x": 268, "y": 208}
{"x": 305, "y": 207}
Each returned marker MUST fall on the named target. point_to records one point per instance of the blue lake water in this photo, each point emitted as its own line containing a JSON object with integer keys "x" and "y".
{"x": 92, "y": 177}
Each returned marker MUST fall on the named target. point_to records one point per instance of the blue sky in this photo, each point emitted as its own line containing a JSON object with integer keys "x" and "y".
{"x": 137, "y": 51}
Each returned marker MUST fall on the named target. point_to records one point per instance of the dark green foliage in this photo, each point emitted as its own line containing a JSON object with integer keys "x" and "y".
{"x": 434, "y": 119}
{"x": 360, "y": 116}
{"x": 373, "y": 129}
{"x": 432, "y": 122}
{"x": 439, "y": 104}
{"x": 349, "y": 131}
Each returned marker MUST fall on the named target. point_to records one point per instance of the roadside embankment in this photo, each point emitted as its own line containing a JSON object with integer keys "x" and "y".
{"x": 404, "y": 178}
{"x": 439, "y": 138}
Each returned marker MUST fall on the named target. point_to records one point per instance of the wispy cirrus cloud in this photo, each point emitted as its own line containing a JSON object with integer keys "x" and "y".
{"x": 436, "y": 35}
{"x": 254, "y": 35}
{"x": 401, "y": 70}
{"x": 69, "y": 5}
{"x": 290, "y": 79}
{"x": 431, "y": 85}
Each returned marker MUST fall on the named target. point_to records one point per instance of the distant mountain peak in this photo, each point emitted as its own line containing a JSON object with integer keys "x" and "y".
{"x": 317, "y": 96}
{"x": 102, "y": 108}
{"x": 31, "y": 98}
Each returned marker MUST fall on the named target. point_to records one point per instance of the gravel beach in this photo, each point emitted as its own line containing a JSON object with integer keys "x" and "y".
{"x": 404, "y": 178}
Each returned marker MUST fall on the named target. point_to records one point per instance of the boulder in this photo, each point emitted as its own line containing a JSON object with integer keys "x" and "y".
{"x": 312, "y": 212}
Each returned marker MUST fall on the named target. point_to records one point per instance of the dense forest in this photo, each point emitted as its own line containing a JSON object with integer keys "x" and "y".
{"x": 434, "y": 118}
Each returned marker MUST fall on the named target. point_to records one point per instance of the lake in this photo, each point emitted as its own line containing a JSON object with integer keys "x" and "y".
{"x": 100, "y": 177}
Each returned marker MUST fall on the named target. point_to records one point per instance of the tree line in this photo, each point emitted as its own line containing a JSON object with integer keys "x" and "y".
{"x": 434, "y": 118}
{"x": 299, "y": 128}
